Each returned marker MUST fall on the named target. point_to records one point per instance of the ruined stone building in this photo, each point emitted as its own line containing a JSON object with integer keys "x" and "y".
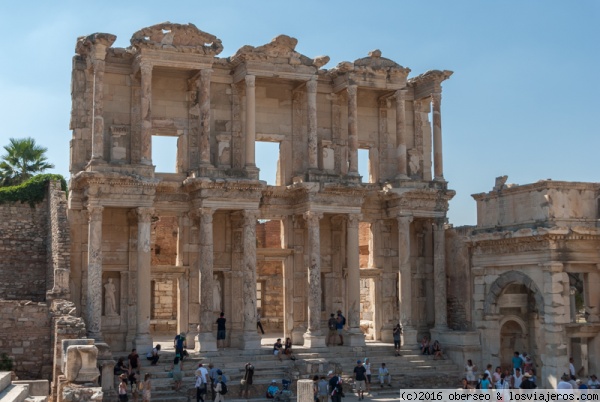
{"x": 146, "y": 252}
{"x": 179, "y": 247}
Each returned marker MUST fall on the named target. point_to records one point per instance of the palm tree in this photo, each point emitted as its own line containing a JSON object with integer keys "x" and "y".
{"x": 24, "y": 158}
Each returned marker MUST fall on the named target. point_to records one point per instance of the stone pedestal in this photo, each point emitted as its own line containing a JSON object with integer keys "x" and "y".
{"x": 354, "y": 337}
{"x": 305, "y": 391}
{"x": 205, "y": 342}
{"x": 250, "y": 340}
{"x": 409, "y": 337}
{"x": 314, "y": 341}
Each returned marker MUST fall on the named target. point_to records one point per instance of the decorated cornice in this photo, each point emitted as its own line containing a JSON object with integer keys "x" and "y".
{"x": 185, "y": 38}
{"x": 281, "y": 50}
{"x": 84, "y": 44}
{"x": 431, "y": 76}
{"x": 195, "y": 184}
{"x": 82, "y": 180}
{"x": 532, "y": 235}
{"x": 374, "y": 63}
{"x": 538, "y": 186}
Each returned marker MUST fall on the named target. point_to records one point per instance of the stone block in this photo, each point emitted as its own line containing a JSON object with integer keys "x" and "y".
{"x": 80, "y": 363}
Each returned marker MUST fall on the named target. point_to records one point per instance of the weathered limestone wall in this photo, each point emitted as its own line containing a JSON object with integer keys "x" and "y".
{"x": 268, "y": 234}
{"x": 459, "y": 279}
{"x": 25, "y": 335}
{"x": 164, "y": 239}
{"x": 270, "y": 273}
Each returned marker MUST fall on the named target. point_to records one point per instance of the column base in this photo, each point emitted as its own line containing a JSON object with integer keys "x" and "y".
{"x": 205, "y": 342}
{"x": 250, "y": 340}
{"x": 387, "y": 335}
{"x": 143, "y": 344}
{"x": 314, "y": 341}
{"x": 409, "y": 337}
{"x": 402, "y": 177}
{"x": 354, "y": 337}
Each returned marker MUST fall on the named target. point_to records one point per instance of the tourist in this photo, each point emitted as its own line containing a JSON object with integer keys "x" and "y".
{"x": 496, "y": 376}
{"x": 593, "y": 382}
{"x": 335, "y": 387}
{"x": 527, "y": 362}
{"x": 485, "y": 383}
{"x": 134, "y": 361}
{"x": 133, "y": 381}
{"x": 517, "y": 362}
{"x": 212, "y": 375}
{"x": 360, "y": 379}
{"x": 425, "y": 346}
{"x": 153, "y": 355}
{"x": 219, "y": 388}
{"x": 147, "y": 389}
{"x": 564, "y": 385}
{"x": 572, "y": 367}
{"x": 120, "y": 367}
{"x": 315, "y": 385}
{"x": 221, "y": 332}
{"x": 246, "y": 381}
{"x": 517, "y": 379}
{"x": 332, "y": 334}
{"x": 384, "y": 374}
{"x": 531, "y": 372}
{"x": 339, "y": 326}
{"x": 470, "y": 370}
{"x": 273, "y": 390}
{"x": 573, "y": 381}
{"x": 323, "y": 389}
{"x": 201, "y": 382}
{"x": 180, "y": 344}
{"x": 177, "y": 370}
{"x": 582, "y": 386}
{"x": 287, "y": 347}
{"x": 367, "y": 366}
{"x": 464, "y": 384}
{"x": 123, "y": 389}
{"x": 436, "y": 349}
{"x": 397, "y": 333}
{"x": 277, "y": 348}
{"x": 503, "y": 386}
{"x": 258, "y": 323}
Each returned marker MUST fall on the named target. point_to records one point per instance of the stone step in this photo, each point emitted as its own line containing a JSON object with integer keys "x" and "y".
{"x": 5, "y": 378}
{"x": 14, "y": 393}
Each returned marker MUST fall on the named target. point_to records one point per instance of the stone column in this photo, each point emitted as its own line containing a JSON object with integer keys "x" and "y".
{"x": 183, "y": 302}
{"x": 356, "y": 337}
{"x": 204, "y": 123}
{"x": 401, "y": 134}
{"x": 146, "y": 113}
{"x": 439, "y": 275}
{"x": 98, "y": 64}
{"x": 405, "y": 279}
{"x": 438, "y": 168}
{"x": 352, "y": 130}
{"x": 313, "y": 336}
{"x": 250, "y": 120}
{"x": 143, "y": 339}
{"x": 206, "y": 340}
{"x": 94, "y": 275}
{"x": 591, "y": 285}
{"x": 250, "y": 340}
{"x": 311, "y": 89}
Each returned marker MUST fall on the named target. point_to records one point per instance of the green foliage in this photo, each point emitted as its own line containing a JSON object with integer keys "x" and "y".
{"x": 6, "y": 363}
{"x": 31, "y": 191}
{"x": 23, "y": 159}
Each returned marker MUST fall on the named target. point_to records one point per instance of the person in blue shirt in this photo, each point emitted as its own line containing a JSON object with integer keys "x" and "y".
{"x": 517, "y": 362}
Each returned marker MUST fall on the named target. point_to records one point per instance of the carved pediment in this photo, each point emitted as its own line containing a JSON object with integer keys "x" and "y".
{"x": 279, "y": 51}
{"x": 184, "y": 38}
{"x": 436, "y": 76}
{"x": 373, "y": 63}
{"x": 85, "y": 43}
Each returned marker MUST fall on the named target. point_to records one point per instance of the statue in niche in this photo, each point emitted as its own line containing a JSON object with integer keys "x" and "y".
{"x": 110, "y": 303}
{"x": 216, "y": 294}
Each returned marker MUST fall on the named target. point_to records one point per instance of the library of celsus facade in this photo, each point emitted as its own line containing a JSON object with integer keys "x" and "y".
{"x": 166, "y": 252}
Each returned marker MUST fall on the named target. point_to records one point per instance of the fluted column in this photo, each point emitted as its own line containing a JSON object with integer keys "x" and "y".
{"x": 438, "y": 168}
{"x": 98, "y": 109}
{"x": 206, "y": 340}
{"x": 250, "y": 120}
{"x": 311, "y": 90}
{"x": 143, "y": 339}
{"x": 352, "y": 130}
{"x": 146, "y": 113}
{"x": 401, "y": 134}
{"x": 313, "y": 336}
{"x": 355, "y": 338}
{"x": 94, "y": 275}
{"x": 439, "y": 275}
{"x": 250, "y": 339}
{"x": 204, "y": 103}
{"x": 405, "y": 278}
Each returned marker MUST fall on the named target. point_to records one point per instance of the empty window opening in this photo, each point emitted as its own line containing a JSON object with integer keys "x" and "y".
{"x": 268, "y": 233}
{"x": 364, "y": 166}
{"x": 259, "y": 294}
{"x": 268, "y": 161}
{"x": 164, "y": 153}
{"x": 365, "y": 244}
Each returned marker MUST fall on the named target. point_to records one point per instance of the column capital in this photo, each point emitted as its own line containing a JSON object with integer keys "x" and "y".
{"x": 144, "y": 214}
{"x": 206, "y": 73}
{"x": 353, "y": 220}
{"x": 250, "y": 80}
{"x": 146, "y": 67}
{"x": 404, "y": 219}
{"x": 205, "y": 214}
{"x": 311, "y": 85}
{"x": 312, "y": 218}
{"x": 436, "y": 98}
{"x": 400, "y": 94}
{"x": 95, "y": 213}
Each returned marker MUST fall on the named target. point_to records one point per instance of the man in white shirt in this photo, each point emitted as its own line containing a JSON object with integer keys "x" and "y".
{"x": 517, "y": 379}
{"x": 201, "y": 382}
{"x": 593, "y": 383}
{"x": 571, "y": 367}
{"x": 564, "y": 385}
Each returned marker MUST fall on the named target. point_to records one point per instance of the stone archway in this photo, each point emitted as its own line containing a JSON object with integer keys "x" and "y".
{"x": 490, "y": 305}
{"x": 513, "y": 336}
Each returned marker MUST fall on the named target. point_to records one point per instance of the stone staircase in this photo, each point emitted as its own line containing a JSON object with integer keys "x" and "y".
{"x": 18, "y": 391}
{"x": 410, "y": 370}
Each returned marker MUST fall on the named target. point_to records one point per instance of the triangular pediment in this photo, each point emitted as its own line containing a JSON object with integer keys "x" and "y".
{"x": 186, "y": 38}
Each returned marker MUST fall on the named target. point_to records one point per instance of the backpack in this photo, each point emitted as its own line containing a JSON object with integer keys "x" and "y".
{"x": 343, "y": 320}
{"x": 223, "y": 388}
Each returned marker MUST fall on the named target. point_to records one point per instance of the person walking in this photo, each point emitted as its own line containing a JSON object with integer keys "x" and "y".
{"x": 335, "y": 387}
{"x": 397, "y": 333}
{"x": 221, "y": 332}
{"x": 123, "y": 389}
{"x": 360, "y": 378}
{"x": 367, "y": 366}
{"x": 201, "y": 382}
{"x": 247, "y": 379}
{"x": 219, "y": 389}
{"x": 258, "y": 323}
{"x": 134, "y": 361}
{"x": 147, "y": 391}
{"x": 180, "y": 344}
{"x": 177, "y": 370}
{"x": 322, "y": 387}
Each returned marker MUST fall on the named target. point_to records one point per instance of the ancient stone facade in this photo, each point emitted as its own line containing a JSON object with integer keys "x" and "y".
{"x": 532, "y": 266}
{"x": 204, "y": 219}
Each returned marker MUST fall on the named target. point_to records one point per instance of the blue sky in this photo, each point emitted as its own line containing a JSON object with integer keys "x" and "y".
{"x": 523, "y": 100}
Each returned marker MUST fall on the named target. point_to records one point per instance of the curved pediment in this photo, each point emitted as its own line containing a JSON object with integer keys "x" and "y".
{"x": 372, "y": 63}
{"x": 281, "y": 50}
{"x": 184, "y": 38}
